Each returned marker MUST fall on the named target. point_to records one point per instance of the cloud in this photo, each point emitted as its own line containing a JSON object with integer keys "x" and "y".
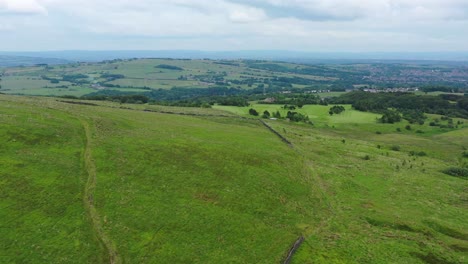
{"x": 236, "y": 24}
{"x": 21, "y": 7}
{"x": 323, "y": 10}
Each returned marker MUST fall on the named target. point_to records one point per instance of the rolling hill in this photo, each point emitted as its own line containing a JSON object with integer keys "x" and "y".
{"x": 87, "y": 181}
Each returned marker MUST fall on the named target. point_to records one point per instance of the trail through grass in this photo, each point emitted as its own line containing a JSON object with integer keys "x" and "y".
{"x": 88, "y": 199}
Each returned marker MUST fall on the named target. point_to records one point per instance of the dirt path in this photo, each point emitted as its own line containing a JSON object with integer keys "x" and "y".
{"x": 88, "y": 200}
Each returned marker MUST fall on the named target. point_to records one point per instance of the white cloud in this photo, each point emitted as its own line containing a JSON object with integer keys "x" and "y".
{"x": 237, "y": 24}
{"x": 359, "y": 9}
{"x": 21, "y": 7}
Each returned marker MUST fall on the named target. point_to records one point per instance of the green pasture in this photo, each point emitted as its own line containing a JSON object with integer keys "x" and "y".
{"x": 42, "y": 219}
{"x": 216, "y": 186}
{"x": 140, "y": 73}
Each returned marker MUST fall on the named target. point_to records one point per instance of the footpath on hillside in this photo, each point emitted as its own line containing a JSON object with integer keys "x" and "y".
{"x": 88, "y": 200}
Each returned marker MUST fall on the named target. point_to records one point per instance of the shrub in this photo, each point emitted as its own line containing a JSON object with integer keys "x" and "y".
{"x": 390, "y": 117}
{"x": 417, "y": 153}
{"x": 266, "y": 114}
{"x": 253, "y": 112}
{"x": 297, "y": 117}
{"x": 336, "y": 109}
{"x": 457, "y": 172}
{"x": 396, "y": 148}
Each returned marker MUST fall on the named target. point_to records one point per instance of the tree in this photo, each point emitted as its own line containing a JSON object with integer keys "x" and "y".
{"x": 297, "y": 117}
{"x": 277, "y": 114}
{"x": 266, "y": 114}
{"x": 390, "y": 116}
{"x": 253, "y": 112}
{"x": 336, "y": 109}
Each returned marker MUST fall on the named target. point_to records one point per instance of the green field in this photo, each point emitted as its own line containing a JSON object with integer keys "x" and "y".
{"x": 142, "y": 75}
{"x": 108, "y": 182}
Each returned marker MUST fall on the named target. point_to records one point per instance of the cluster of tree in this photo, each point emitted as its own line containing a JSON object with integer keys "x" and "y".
{"x": 379, "y": 102}
{"x": 414, "y": 116}
{"x": 289, "y": 107}
{"x": 227, "y": 63}
{"x": 212, "y": 77}
{"x": 110, "y": 85}
{"x": 297, "y": 117}
{"x": 299, "y": 99}
{"x": 75, "y": 78}
{"x": 292, "y": 116}
{"x": 232, "y": 100}
{"x": 169, "y": 67}
{"x": 129, "y": 99}
{"x": 450, "y": 123}
{"x": 185, "y": 103}
{"x": 253, "y": 112}
{"x": 442, "y": 88}
{"x": 336, "y": 109}
{"x": 50, "y": 79}
{"x": 390, "y": 117}
{"x": 112, "y": 77}
{"x": 177, "y": 93}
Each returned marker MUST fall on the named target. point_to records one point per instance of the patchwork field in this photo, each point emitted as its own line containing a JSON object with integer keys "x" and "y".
{"x": 100, "y": 182}
{"x": 143, "y": 75}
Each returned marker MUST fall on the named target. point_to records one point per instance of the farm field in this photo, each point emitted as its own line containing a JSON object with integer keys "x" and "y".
{"x": 143, "y": 75}
{"x": 99, "y": 182}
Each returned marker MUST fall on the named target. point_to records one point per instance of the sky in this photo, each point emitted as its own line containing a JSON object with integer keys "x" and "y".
{"x": 224, "y": 25}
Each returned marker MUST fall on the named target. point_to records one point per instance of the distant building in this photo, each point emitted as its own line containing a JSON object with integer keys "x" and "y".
{"x": 269, "y": 100}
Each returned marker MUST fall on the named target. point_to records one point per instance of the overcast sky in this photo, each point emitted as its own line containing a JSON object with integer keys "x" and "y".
{"x": 303, "y": 25}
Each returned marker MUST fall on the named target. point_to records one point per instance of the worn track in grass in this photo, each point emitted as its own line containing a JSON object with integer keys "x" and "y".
{"x": 88, "y": 199}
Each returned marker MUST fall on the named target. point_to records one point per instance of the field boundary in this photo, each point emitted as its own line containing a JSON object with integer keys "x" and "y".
{"x": 283, "y": 138}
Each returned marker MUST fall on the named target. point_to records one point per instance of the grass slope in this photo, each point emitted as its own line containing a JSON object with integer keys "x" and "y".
{"x": 42, "y": 219}
{"x": 173, "y": 188}
{"x": 204, "y": 189}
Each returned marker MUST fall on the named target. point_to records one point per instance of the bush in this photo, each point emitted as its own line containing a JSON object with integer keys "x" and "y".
{"x": 169, "y": 67}
{"x": 457, "y": 172}
{"x": 395, "y": 148}
{"x": 253, "y": 112}
{"x": 390, "y": 117}
{"x": 336, "y": 109}
{"x": 277, "y": 114}
{"x": 416, "y": 153}
{"x": 297, "y": 117}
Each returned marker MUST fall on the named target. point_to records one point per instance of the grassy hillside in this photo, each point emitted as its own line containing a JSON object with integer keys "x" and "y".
{"x": 110, "y": 182}
{"x": 168, "y": 188}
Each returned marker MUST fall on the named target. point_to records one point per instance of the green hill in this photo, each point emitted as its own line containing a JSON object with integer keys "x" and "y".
{"x": 100, "y": 182}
